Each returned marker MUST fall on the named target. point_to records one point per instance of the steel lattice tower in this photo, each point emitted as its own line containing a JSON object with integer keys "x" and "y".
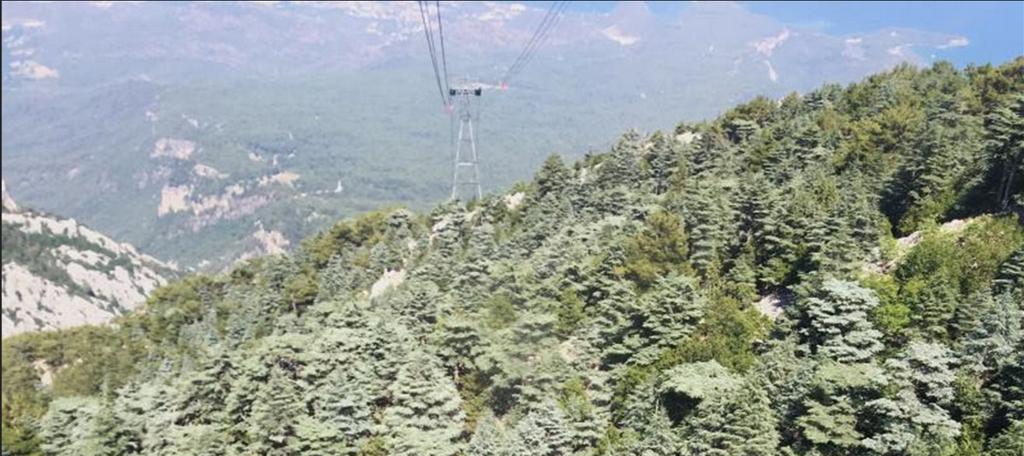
{"x": 465, "y": 160}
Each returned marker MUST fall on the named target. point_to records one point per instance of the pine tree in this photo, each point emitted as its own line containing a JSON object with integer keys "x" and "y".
{"x": 712, "y": 219}
{"x": 1008, "y": 443}
{"x": 342, "y": 412}
{"x": 527, "y": 362}
{"x": 417, "y": 300}
{"x": 68, "y": 425}
{"x": 662, "y": 160}
{"x": 459, "y": 344}
{"x": 1005, "y": 150}
{"x": 949, "y": 143}
{"x": 613, "y": 321}
{"x": 552, "y": 178}
{"x": 658, "y": 249}
{"x": 926, "y": 367}
{"x": 197, "y": 440}
{"x": 658, "y": 438}
{"x": 989, "y": 343}
{"x": 904, "y": 425}
{"x": 585, "y": 419}
{"x": 831, "y": 428}
{"x": 1008, "y": 384}
{"x": 829, "y": 422}
{"x": 1011, "y": 274}
{"x": 914, "y": 417}
{"x": 107, "y": 435}
{"x": 543, "y": 432}
{"x": 736, "y": 424}
{"x": 670, "y": 312}
{"x": 202, "y": 393}
{"x": 425, "y": 415}
{"x": 144, "y": 413}
{"x": 787, "y": 378}
{"x": 621, "y": 166}
{"x": 489, "y": 438}
{"x": 277, "y": 409}
{"x": 773, "y": 236}
{"x": 934, "y": 307}
{"x": 838, "y": 326}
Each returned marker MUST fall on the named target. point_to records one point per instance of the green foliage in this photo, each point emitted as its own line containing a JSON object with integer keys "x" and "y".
{"x": 424, "y": 417}
{"x": 738, "y": 423}
{"x": 570, "y": 312}
{"x": 891, "y": 316}
{"x": 837, "y": 323}
{"x": 345, "y": 236}
{"x": 946, "y": 269}
{"x": 622, "y": 305}
{"x": 543, "y": 432}
{"x": 659, "y": 249}
{"x": 1010, "y": 442}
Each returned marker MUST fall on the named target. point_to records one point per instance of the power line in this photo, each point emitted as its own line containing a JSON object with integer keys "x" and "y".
{"x": 542, "y": 38}
{"x": 433, "y": 51}
{"x": 537, "y": 39}
{"x": 533, "y": 38}
{"x": 444, "y": 57}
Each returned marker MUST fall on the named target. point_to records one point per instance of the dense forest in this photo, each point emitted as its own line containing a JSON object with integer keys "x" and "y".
{"x": 834, "y": 273}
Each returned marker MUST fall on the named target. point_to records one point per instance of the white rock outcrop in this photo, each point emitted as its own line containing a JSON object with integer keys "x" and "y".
{"x": 80, "y": 277}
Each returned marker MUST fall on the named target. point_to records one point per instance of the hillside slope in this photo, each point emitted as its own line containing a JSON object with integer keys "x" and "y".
{"x": 715, "y": 289}
{"x": 224, "y": 119}
{"x": 58, "y": 273}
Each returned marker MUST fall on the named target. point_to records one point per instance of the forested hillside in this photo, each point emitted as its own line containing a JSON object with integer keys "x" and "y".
{"x": 835, "y": 273}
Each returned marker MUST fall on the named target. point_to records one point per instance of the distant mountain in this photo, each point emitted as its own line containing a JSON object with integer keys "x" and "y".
{"x": 208, "y": 132}
{"x": 58, "y": 273}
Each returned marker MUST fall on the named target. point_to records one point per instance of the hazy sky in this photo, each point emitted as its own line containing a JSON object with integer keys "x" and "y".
{"x": 995, "y": 30}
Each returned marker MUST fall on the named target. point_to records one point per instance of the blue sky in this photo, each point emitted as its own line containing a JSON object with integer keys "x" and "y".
{"x": 995, "y": 30}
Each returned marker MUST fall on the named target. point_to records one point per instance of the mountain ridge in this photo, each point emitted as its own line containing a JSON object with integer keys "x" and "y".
{"x": 58, "y": 273}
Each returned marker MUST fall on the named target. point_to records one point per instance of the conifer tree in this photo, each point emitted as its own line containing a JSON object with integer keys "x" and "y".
{"x": 990, "y": 341}
{"x": 838, "y": 326}
{"x": 542, "y": 432}
{"x": 914, "y": 416}
{"x": 620, "y": 168}
{"x": 1010, "y": 442}
{"x": 830, "y": 428}
{"x": 950, "y": 142}
{"x": 489, "y": 439}
{"x": 670, "y": 312}
{"x": 459, "y": 344}
{"x": 425, "y": 416}
{"x": 277, "y": 409}
{"x": 735, "y": 424}
{"x": 1005, "y": 150}
{"x": 1008, "y": 383}
{"x": 144, "y": 413}
{"x": 658, "y": 438}
{"x": 342, "y": 412}
{"x": 202, "y": 393}
{"x": 552, "y": 178}
{"x": 68, "y": 425}
{"x": 662, "y": 160}
{"x": 1011, "y": 274}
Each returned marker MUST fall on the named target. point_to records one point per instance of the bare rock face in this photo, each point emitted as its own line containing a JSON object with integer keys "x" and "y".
{"x": 58, "y": 273}
{"x": 9, "y": 204}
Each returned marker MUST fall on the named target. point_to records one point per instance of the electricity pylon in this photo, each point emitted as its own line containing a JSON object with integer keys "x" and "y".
{"x": 465, "y": 170}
